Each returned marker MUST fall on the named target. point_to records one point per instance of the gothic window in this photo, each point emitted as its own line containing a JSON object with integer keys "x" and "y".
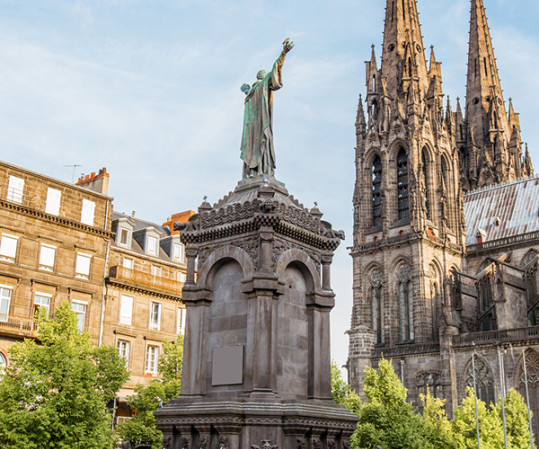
{"x": 424, "y": 186}
{"x": 376, "y": 192}
{"x": 532, "y": 370}
{"x": 485, "y": 300}
{"x": 406, "y": 311}
{"x": 377, "y": 294}
{"x": 402, "y": 185}
{"x": 435, "y": 297}
{"x": 429, "y": 383}
{"x": 483, "y": 381}
{"x": 446, "y": 200}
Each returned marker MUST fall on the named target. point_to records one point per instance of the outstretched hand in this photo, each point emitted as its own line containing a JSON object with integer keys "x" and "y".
{"x": 287, "y": 45}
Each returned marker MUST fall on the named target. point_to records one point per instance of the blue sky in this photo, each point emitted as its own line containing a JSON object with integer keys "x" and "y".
{"x": 150, "y": 90}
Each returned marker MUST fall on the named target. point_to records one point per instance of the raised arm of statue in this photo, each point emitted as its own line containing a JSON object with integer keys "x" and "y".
{"x": 257, "y": 150}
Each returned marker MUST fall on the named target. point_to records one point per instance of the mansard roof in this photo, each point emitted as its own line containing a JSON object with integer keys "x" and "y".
{"x": 502, "y": 211}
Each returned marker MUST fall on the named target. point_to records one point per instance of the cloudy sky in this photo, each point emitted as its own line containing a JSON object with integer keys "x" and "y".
{"x": 150, "y": 90}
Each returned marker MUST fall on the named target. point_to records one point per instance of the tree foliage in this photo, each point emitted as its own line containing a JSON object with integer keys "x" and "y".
{"x": 341, "y": 392}
{"x": 141, "y": 428}
{"x": 55, "y": 391}
{"x": 516, "y": 420}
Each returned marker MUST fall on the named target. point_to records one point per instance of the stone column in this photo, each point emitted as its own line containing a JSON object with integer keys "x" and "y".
{"x": 319, "y": 352}
{"x": 195, "y": 348}
{"x": 326, "y": 271}
{"x": 191, "y": 254}
{"x": 262, "y": 350}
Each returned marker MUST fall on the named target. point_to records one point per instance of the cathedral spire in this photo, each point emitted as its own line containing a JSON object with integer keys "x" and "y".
{"x": 484, "y": 96}
{"x": 403, "y": 57}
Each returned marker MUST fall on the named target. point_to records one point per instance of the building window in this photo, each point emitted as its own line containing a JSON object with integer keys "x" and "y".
{"x": 377, "y": 294}
{"x": 42, "y": 300}
{"x": 178, "y": 252}
{"x": 3, "y": 366}
{"x": 155, "y": 316}
{"x": 182, "y": 277}
{"x": 52, "y": 205}
{"x": 80, "y": 310}
{"x": 124, "y": 237}
{"x": 156, "y": 271}
{"x": 128, "y": 263}
{"x": 88, "y": 212}
{"x": 435, "y": 298}
{"x": 126, "y": 310}
{"x": 376, "y": 192}
{"x": 424, "y": 182}
{"x": 82, "y": 267}
{"x": 152, "y": 359}
{"x": 180, "y": 327}
{"x": 406, "y": 311}
{"x": 5, "y": 301}
{"x": 15, "y": 189}
{"x": 151, "y": 245}
{"x": 402, "y": 185}
{"x": 483, "y": 380}
{"x": 124, "y": 350}
{"x": 47, "y": 254}
{"x": 486, "y": 309}
{"x": 8, "y": 247}
{"x": 429, "y": 383}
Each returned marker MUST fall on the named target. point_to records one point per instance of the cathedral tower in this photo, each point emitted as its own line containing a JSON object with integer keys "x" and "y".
{"x": 493, "y": 148}
{"x": 408, "y": 225}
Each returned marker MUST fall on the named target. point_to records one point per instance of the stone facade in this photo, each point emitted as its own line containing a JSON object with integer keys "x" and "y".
{"x": 256, "y": 369}
{"x": 63, "y": 242}
{"x": 439, "y": 268}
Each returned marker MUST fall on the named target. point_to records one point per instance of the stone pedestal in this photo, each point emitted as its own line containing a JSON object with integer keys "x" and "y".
{"x": 256, "y": 366}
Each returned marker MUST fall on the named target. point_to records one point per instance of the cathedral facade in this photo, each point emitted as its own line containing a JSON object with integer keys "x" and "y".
{"x": 446, "y": 224}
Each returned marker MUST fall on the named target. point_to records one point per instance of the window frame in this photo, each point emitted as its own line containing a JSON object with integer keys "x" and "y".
{"x": 81, "y": 274}
{"x": 15, "y": 194}
{"x": 5, "y": 256}
{"x": 41, "y": 263}
{"x": 88, "y": 208}
{"x": 155, "y": 324}
{"x": 84, "y": 304}
{"x": 123, "y": 347}
{"x": 4, "y": 318}
{"x": 53, "y": 203}
{"x": 181, "y": 320}
{"x": 124, "y": 299}
{"x": 151, "y": 364}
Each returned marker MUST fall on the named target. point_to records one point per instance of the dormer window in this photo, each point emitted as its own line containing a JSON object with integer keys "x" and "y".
{"x": 151, "y": 245}
{"x": 124, "y": 232}
{"x": 178, "y": 252}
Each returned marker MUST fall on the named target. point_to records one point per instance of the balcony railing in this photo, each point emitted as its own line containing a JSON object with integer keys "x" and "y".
{"x": 476, "y": 247}
{"x": 146, "y": 279}
{"x": 498, "y": 336}
{"x": 396, "y": 351}
{"x": 18, "y": 325}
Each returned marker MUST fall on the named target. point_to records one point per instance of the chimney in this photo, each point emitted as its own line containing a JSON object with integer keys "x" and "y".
{"x": 97, "y": 183}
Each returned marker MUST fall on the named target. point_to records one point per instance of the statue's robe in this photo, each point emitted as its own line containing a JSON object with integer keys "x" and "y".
{"x": 257, "y": 141}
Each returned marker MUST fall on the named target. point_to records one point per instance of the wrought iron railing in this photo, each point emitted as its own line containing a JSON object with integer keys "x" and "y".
{"x": 18, "y": 324}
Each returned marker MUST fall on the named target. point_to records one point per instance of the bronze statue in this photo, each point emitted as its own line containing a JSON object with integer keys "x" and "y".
{"x": 257, "y": 150}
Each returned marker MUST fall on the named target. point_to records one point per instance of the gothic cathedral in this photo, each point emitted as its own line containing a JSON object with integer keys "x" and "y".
{"x": 446, "y": 229}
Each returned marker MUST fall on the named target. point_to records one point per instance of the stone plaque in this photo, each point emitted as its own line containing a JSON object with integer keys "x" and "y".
{"x": 227, "y": 366}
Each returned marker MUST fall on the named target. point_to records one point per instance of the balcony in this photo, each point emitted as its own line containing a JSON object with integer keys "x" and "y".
{"x": 145, "y": 281}
{"x": 498, "y": 336}
{"x": 17, "y": 326}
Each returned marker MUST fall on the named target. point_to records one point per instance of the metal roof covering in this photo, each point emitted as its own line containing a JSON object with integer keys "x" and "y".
{"x": 503, "y": 210}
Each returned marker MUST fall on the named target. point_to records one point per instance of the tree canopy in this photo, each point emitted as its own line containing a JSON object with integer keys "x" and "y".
{"x": 56, "y": 389}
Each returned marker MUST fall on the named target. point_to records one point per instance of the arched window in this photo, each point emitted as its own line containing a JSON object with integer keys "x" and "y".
{"x": 429, "y": 383}
{"x": 435, "y": 296}
{"x": 376, "y": 192}
{"x": 402, "y": 185}
{"x": 377, "y": 294}
{"x": 425, "y": 183}
{"x": 3, "y": 365}
{"x": 532, "y": 371}
{"x": 446, "y": 199}
{"x": 483, "y": 381}
{"x": 406, "y": 311}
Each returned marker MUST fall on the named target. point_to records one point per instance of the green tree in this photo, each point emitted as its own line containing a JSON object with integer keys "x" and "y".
{"x": 516, "y": 420}
{"x": 141, "y": 428}
{"x": 341, "y": 392}
{"x": 438, "y": 430}
{"x": 464, "y": 424}
{"x": 55, "y": 390}
{"x": 386, "y": 419}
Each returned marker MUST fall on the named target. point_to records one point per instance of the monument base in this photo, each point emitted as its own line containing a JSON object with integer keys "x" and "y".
{"x": 193, "y": 423}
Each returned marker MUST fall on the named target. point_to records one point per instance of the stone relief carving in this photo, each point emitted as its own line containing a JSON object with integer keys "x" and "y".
{"x": 203, "y": 443}
{"x": 375, "y": 277}
{"x": 223, "y": 442}
{"x": 301, "y": 443}
{"x": 266, "y": 444}
{"x": 167, "y": 442}
{"x": 403, "y": 272}
{"x": 317, "y": 444}
{"x": 250, "y": 246}
{"x": 184, "y": 443}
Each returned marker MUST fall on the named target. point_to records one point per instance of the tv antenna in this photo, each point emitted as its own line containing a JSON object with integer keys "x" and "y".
{"x": 74, "y": 166}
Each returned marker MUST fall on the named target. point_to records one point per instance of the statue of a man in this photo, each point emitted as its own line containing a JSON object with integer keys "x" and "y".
{"x": 257, "y": 141}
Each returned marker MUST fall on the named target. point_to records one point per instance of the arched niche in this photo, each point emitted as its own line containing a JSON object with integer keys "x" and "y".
{"x": 292, "y": 345}
{"x": 226, "y": 320}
